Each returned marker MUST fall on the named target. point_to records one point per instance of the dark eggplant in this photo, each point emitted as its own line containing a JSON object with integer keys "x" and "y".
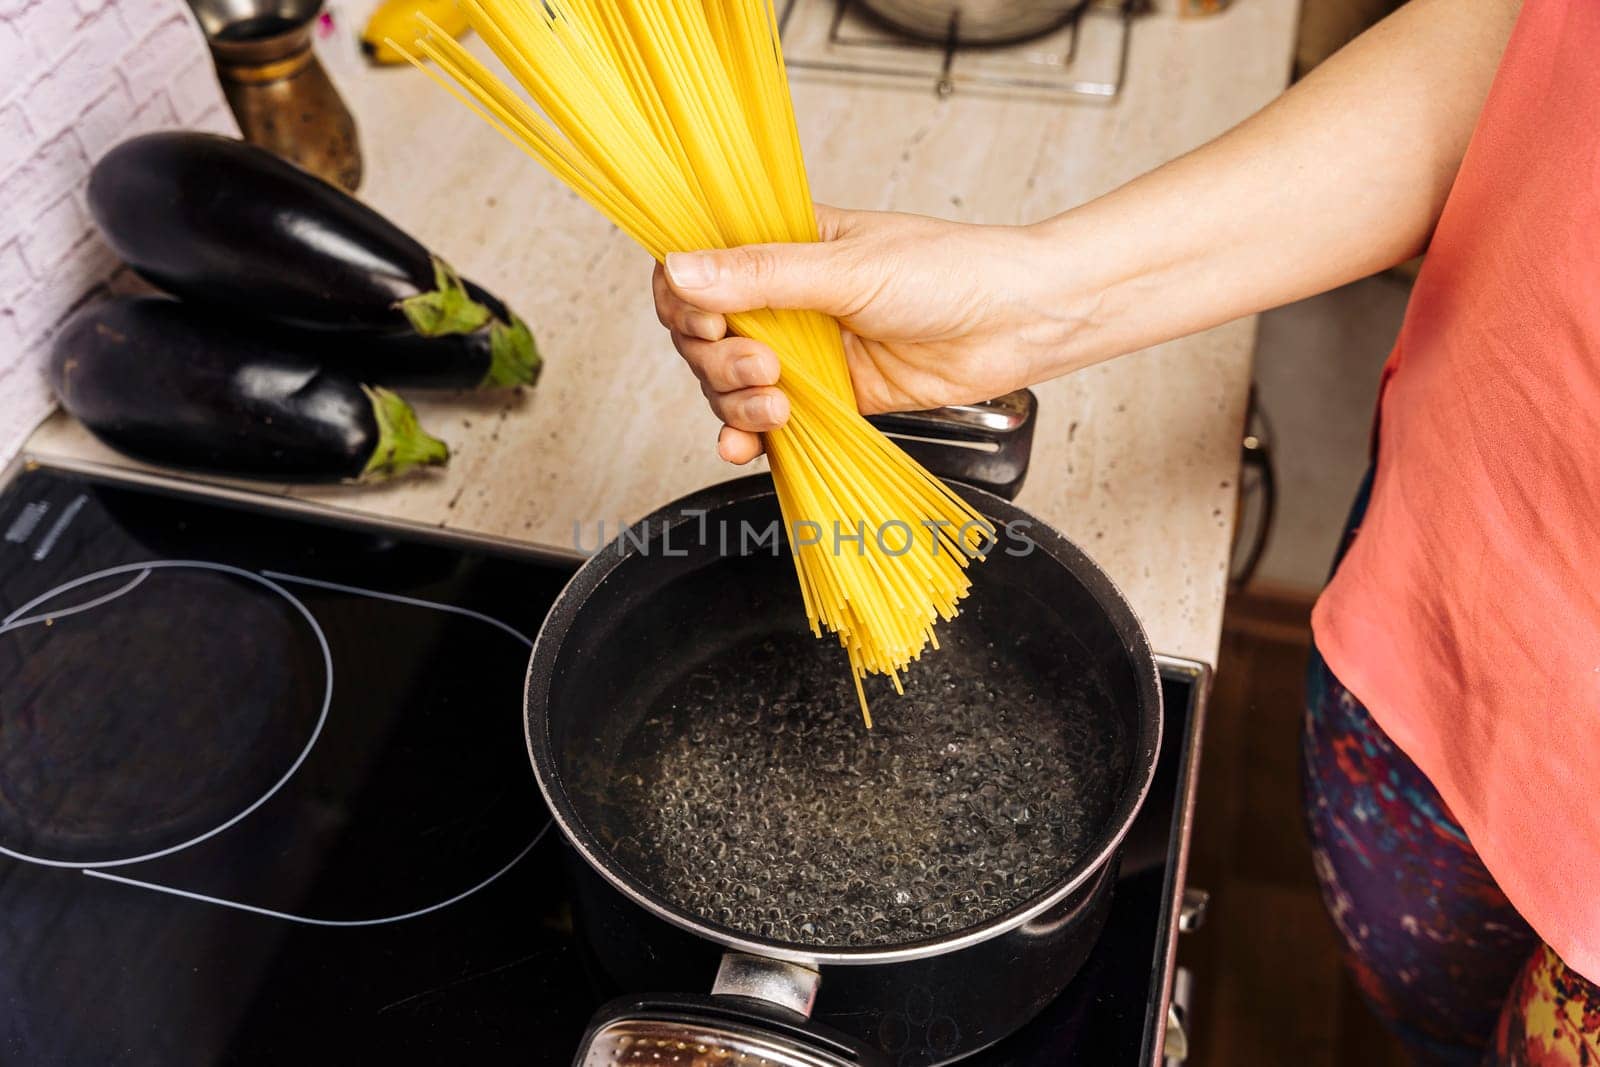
{"x": 222, "y": 222}
{"x": 482, "y": 359}
{"x": 496, "y": 306}
{"x": 171, "y": 383}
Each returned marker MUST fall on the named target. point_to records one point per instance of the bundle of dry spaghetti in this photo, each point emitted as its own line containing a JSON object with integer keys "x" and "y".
{"x": 673, "y": 118}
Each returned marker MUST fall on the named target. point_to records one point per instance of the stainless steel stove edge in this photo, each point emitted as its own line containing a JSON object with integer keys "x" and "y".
{"x": 256, "y": 498}
{"x": 1170, "y": 1025}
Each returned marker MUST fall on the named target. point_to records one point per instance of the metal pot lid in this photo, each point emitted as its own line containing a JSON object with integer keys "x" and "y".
{"x": 723, "y": 1030}
{"x": 687, "y": 1042}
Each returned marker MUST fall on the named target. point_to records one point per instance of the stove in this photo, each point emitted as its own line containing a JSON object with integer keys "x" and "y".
{"x": 264, "y": 799}
{"x": 1083, "y": 58}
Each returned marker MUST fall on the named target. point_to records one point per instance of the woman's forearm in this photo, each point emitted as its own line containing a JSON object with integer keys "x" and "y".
{"x": 1342, "y": 176}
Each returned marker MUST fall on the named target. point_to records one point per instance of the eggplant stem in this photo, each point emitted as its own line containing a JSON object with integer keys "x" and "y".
{"x": 514, "y": 357}
{"x": 446, "y": 308}
{"x": 402, "y": 443}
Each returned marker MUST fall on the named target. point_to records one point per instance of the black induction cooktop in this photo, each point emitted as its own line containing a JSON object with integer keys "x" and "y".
{"x": 264, "y": 799}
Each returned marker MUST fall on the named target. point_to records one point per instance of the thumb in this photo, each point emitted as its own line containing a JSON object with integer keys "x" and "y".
{"x": 803, "y": 275}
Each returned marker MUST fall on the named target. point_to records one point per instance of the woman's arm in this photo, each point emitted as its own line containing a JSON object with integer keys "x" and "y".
{"x": 1343, "y": 175}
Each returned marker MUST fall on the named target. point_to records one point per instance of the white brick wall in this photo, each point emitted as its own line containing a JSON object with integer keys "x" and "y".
{"x": 79, "y": 76}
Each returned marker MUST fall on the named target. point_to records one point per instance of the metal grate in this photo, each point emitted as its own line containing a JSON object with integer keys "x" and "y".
{"x": 1086, "y": 57}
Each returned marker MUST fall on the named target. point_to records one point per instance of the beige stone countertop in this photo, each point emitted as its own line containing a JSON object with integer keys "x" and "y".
{"x": 1135, "y": 460}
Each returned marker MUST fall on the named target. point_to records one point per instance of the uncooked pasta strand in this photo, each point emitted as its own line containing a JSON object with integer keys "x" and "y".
{"x": 673, "y": 119}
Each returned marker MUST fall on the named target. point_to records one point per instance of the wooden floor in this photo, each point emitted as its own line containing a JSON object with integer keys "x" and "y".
{"x": 1269, "y": 989}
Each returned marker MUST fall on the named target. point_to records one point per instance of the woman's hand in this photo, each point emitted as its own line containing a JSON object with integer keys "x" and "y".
{"x": 1344, "y": 175}
{"x": 934, "y": 313}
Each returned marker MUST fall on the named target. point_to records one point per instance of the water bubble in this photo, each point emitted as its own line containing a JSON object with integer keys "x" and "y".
{"x": 750, "y": 794}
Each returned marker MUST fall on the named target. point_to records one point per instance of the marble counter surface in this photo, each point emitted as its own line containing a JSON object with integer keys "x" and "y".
{"x": 1135, "y": 460}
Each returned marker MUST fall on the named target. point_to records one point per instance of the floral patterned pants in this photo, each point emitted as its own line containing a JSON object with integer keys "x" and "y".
{"x": 1434, "y": 945}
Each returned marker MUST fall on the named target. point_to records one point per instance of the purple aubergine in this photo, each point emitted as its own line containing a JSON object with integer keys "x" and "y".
{"x": 171, "y": 383}
{"x": 217, "y": 221}
{"x": 477, "y": 360}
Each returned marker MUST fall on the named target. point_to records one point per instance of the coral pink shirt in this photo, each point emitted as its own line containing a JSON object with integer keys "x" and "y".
{"x": 1466, "y": 616}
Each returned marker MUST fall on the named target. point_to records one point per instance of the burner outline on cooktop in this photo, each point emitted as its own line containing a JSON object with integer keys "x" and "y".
{"x": 396, "y": 598}
{"x": 11, "y": 622}
{"x": 308, "y": 920}
{"x": 270, "y": 579}
{"x": 19, "y": 618}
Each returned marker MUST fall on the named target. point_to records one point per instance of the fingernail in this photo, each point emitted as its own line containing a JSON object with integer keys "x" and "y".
{"x": 762, "y": 410}
{"x": 703, "y": 326}
{"x": 750, "y": 370}
{"x": 690, "y": 270}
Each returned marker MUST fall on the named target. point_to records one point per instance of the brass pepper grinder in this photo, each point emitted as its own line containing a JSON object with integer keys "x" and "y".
{"x": 278, "y": 91}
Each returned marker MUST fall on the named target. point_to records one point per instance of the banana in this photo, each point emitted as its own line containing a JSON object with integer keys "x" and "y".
{"x": 398, "y": 19}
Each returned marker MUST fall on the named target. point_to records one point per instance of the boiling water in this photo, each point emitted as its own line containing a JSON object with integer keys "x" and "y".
{"x": 751, "y": 794}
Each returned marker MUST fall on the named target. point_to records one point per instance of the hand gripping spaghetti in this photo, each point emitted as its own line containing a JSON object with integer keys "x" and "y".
{"x": 673, "y": 118}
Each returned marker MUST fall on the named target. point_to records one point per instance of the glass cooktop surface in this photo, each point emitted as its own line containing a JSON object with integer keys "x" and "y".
{"x": 264, "y": 799}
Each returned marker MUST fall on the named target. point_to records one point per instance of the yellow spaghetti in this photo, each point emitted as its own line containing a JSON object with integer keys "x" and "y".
{"x": 673, "y": 118}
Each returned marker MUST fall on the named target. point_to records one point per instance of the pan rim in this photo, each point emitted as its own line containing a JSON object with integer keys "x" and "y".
{"x": 548, "y": 644}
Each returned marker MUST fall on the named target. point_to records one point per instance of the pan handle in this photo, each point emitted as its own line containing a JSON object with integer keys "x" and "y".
{"x": 758, "y": 1012}
{"x": 987, "y": 444}
{"x": 786, "y": 985}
